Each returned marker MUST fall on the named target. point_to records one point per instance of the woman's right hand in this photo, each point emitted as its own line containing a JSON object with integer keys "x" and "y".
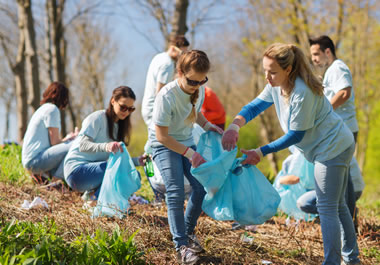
{"x": 230, "y": 137}
{"x": 114, "y": 147}
{"x": 197, "y": 160}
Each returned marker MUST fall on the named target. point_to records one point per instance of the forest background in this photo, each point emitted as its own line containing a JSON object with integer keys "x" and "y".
{"x": 94, "y": 46}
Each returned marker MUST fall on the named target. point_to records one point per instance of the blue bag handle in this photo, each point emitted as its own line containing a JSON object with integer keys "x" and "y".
{"x": 237, "y": 167}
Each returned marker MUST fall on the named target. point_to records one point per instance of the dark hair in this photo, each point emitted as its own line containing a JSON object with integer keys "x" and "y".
{"x": 124, "y": 131}
{"x": 197, "y": 61}
{"x": 57, "y": 94}
{"x": 324, "y": 43}
{"x": 179, "y": 41}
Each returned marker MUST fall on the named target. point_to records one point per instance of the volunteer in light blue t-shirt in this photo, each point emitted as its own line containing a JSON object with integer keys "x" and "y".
{"x": 176, "y": 108}
{"x": 102, "y": 133}
{"x": 311, "y": 125}
{"x": 338, "y": 88}
{"x": 43, "y": 150}
{"x": 160, "y": 72}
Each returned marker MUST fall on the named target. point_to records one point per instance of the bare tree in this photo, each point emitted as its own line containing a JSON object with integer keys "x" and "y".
{"x": 17, "y": 67}
{"x": 32, "y": 65}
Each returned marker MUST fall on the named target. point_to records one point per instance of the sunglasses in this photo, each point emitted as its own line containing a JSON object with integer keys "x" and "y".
{"x": 196, "y": 83}
{"x": 124, "y": 108}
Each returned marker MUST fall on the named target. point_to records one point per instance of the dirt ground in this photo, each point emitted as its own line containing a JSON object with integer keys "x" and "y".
{"x": 273, "y": 241}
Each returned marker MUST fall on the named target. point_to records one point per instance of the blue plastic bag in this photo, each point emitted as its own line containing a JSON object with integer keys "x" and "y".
{"x": 234, "y": 192}
{"x": 121, "y": 180}
{"x": 296, "y": 165}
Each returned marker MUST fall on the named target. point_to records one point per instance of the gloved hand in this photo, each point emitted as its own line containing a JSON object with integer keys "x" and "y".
{"x": 212, "y": 127}
{"x": 230, "y": 137}
{"x": 114, "y": 147}
{"x": 142, "y": 159}
{"x": 195, "y": 158}
{"x": 253, "y": 156}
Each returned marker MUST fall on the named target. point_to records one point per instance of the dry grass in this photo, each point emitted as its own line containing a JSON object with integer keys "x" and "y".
{"x": 273, "y": 241}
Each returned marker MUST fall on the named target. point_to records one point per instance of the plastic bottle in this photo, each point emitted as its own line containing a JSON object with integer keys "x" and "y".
{"x": 149, "y": 170}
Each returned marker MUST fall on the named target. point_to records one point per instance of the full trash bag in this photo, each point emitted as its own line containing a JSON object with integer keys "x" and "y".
{"x": 234, "y": 192}
{"x": 297, "y": 165}
{"x": 120, "y": 181}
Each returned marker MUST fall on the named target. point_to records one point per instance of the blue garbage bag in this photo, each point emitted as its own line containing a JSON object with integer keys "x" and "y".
{"x": 297, "y": 165}
{"x": 234, "y": 192}
{"x": 120, "y": 181}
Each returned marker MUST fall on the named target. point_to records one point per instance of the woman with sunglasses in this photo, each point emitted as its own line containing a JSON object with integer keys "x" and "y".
{"x": 43, "y": 150}
{"x": 311, "y": 125}
{"x": 102, "y": 133}
{"x": 176, "y": 108}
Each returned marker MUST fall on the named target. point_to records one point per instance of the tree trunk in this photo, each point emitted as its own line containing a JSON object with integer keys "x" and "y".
{"x": 179, "y": 26}
{"x": 48, "y": 55}
{"x": 31, "y": 55}
{"x": 19, "y": 75}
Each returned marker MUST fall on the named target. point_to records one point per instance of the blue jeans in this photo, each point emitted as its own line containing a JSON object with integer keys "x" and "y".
{"x": 51, "y": 160}
{"x": 331, "y": 179}
{"x": 87, "y": 177}
{"x": 307, "y": 202}
{"x": 172, "y": 167}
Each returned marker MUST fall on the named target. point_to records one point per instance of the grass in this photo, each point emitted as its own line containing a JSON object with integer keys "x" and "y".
{"x": 66, "y": 234}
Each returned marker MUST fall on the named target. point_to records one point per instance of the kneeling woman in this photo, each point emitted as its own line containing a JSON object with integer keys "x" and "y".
{"x": 102, "y": 133}
{"x": 43, "y": 150}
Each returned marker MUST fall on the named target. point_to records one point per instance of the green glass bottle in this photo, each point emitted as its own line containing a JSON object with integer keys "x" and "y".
{"x": 149, "y": 170}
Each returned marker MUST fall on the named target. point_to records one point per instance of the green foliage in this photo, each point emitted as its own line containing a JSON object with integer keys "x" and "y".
{"x": 11, "y": 169}
{"x": 372, "y": 252}
{"x": 39, "y": 243}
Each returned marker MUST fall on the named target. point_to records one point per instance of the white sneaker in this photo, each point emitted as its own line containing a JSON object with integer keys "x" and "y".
{"x": 194, "y": 244}
{"x": 187, "y": 256}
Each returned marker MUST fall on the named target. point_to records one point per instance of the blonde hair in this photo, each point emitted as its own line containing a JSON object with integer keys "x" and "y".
{"x": 290, "y": 55}
{"x": 197, "y": 61}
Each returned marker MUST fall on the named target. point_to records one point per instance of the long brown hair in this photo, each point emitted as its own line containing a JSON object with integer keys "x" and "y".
{"x": 197, "y": 61}
{"x": 289, "y": 54}
{"x": 56, "y": 93}
{"x": 124, "y": 131}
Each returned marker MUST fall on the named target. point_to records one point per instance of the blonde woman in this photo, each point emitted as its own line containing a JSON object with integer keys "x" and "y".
{"x": 309, "y": 123}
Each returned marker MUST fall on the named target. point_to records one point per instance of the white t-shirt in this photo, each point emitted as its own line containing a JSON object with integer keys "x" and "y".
{"x": 94, "y": 126}
{"x": 326, "y": 134}
{"x": 161, "y": 70}
{"x": 336, "y": 78}
{"x": 171, "y": 108}
{"x": 36, "y": 139}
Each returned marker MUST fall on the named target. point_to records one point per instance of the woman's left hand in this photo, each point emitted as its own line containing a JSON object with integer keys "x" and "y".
{"x": 253, "y": 156}
{"x": 142, "y": 159}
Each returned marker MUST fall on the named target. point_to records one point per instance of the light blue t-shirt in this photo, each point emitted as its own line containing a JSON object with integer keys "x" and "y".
{"x": 161, "y": 70}
{"x": 326, "y": 135}
{"x": 94, "y": 126}
{"x": 171, "y": 108}
{"x": 36, "y": 137}
{"x": 336, "y": 78}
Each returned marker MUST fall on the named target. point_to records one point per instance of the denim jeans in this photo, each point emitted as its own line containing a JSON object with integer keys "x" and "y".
{"x": 51, "y": 160}
{"x": 331, "y": 179}
{"x": 307, "y": 202}
{"x": 87, "y": 177}
{"x": 172, "y": 167}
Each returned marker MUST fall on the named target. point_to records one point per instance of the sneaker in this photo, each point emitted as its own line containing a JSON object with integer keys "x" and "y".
{"x": 187, "y": 256}
{"x": 194, "y": 244}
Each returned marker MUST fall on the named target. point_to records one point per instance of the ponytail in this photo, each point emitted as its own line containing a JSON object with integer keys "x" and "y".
{"x": 289, "y": 54}
{"x": 197, "y": 61}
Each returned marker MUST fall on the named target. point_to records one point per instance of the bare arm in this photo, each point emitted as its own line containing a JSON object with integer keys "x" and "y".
{"x": 239, "y": 121}
{"x": 162, "y": 134}
{"x": 54, "y": 136}
{"x": 341, "y": 97}
{"x": 159, "y": 86}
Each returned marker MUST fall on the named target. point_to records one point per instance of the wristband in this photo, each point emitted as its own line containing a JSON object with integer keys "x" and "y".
{"x": 258, "y": 151}
{"x": 234, "y": 127}
{"x": 189, "y": 152}
{"x": 207, "y": 126}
